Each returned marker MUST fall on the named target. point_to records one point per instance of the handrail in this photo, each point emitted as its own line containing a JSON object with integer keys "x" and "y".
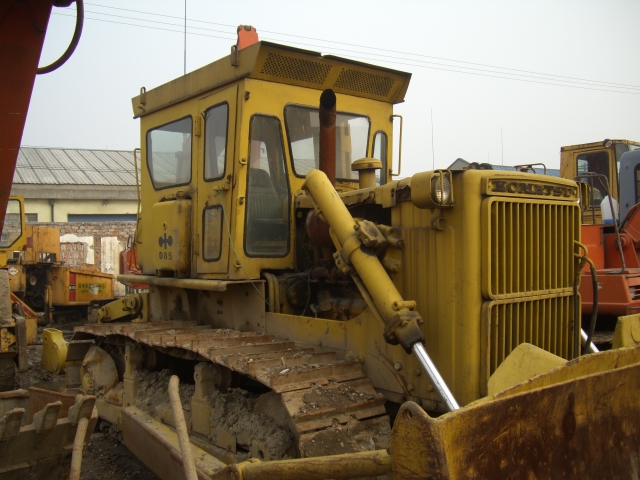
{"x": 399, "y": 147}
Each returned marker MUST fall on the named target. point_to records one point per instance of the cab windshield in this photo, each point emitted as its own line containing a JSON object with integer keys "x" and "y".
{"x": 303, "y": 131}
{"x": 595, "y": 162}
{"x": 12, "y": 229}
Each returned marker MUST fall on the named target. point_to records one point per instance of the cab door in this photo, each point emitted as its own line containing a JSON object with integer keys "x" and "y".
{"x": 215, "y": 181}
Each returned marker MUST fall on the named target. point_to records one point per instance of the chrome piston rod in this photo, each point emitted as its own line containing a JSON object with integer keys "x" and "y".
{"x": 592, "y": 347}
{"x": 434, "y": 376}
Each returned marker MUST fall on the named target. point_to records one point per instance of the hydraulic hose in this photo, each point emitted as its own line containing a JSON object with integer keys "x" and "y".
{"x": 594, "y": 309}
{"x": 72, "y": 45}
{"x": 577, "y": 321}
{"x": 584, "y": 259}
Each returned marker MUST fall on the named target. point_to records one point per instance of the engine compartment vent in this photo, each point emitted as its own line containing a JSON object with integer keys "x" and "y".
{"x": 295, "y": 68}
{"x": 364, "y": 82}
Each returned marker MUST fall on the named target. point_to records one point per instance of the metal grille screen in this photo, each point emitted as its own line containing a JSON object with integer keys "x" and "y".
{"x": 531, "y": 247}
{"x": 364, "y": 82}
{"x": 546, "y": 323}
{"x": 295, "y": 68}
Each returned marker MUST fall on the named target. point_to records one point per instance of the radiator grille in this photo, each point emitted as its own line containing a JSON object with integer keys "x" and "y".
{"x": 295, "y": 69}
{"x": 634, "y": 286}
{"x": 364, "y": 82}
{"x": 530, "y": 247}
{"x": 547, "y": 323}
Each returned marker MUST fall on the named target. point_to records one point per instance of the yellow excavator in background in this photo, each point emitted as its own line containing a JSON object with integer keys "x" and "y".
{"x": 39, "y": 282}
{"x": 314, "y": 308}
{"x": 598, "y": 164}
{"x": 18, "y": 327}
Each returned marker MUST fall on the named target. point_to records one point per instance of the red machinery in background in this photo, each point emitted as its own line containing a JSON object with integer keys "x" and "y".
{"x": 615, "y": 251}
{"x": 616, "y": 258}
{"x": 23, "y": 25}
{"x": 129, "y": 265}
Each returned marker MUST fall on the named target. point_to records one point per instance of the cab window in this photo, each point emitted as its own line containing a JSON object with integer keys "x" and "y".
{"x": 169, "y": 154}
{"x": 380, "y": 152}
{"x": 596, "y": 162}
{"x": 620, "y": 148}
{"x": 12, "y": 229}
{"x": 212, "y": 233}
{"x": 303, "y": 131}
{"x": 267, "y": 212}
{"x": 215, "y": 141}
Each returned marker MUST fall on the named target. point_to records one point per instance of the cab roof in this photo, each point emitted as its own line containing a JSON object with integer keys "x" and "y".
{"x": 282, "y": 64}
{"x": 600, "y": 144}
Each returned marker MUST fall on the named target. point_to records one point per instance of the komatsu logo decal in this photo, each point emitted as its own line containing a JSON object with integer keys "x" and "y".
{"x": 163, "y": 242}
{"x": 539, "y": 189}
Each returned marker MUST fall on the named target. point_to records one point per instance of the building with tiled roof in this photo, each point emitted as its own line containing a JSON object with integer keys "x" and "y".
{"x": 75, "y": 185}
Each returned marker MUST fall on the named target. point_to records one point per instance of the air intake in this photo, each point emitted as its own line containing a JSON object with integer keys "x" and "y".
{"x": 295, "y": 69}
{"x": 364, "y": 82}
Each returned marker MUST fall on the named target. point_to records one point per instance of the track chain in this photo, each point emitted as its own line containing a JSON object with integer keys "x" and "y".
{"x": 330, "y": 402}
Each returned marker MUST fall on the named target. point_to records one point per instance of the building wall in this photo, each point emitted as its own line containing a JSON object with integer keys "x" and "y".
{"x": 74, "y": 254}
{"x": 90, "y": 234}
{"x": 77, "y": 250}
{"x": 62, "y": 208}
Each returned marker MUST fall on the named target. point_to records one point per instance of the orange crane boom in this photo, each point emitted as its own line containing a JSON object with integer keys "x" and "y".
{"x": 23, "y": 26}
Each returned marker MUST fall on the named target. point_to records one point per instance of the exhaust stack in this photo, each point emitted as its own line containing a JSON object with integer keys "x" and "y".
{"x": 328, "y": 134}
{"x": 247, "y": 35}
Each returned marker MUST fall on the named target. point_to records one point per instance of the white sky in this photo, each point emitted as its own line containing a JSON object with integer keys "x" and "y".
{"x": 87, "y": 102}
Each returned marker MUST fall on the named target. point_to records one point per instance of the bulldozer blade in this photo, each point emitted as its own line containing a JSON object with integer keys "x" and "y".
{"x": 579, "y": 420}
{"x": 37, "y": 430}
{"x": 157, "y": 446}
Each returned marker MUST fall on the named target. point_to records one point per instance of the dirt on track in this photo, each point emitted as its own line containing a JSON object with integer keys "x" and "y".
{"x": 105, "y": 457}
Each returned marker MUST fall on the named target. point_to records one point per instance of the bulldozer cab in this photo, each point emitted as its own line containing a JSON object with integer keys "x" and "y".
{"x": 14, "y": 231}
{"x": 601, "y": 158}
{"x": 223, "y": 167}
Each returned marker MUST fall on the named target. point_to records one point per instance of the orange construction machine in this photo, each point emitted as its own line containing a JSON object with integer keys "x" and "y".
{"x": 610, "y": 228}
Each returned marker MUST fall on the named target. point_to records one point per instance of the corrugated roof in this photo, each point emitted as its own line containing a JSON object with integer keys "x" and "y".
{"x": 72, "y": 166}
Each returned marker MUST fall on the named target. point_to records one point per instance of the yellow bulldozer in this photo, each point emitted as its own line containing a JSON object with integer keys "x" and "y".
{"x": 327, "y": 320}
{"x": 43, "y": 287}
{"x": 18, "y": 328}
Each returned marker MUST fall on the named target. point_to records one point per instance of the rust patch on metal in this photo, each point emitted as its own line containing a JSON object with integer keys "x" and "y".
{"x": 582, "y": 427}
{"x": 569, "y": 420}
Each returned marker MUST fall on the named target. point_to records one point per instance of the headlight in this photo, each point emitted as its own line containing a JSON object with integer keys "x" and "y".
{"x": 441, "y": 188}
{"x": 432, "y": 189}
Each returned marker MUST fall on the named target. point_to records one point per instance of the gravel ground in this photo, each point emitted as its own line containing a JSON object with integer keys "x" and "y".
{"x": 106, "y": 458}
